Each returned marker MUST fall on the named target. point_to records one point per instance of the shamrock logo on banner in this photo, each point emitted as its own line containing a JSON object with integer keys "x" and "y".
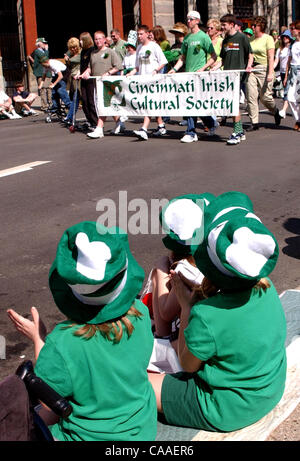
{"x": 112, "y": 94}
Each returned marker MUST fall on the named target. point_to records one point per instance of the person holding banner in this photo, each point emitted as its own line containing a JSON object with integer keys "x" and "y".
{"x": 150, "y": 60}
{"x": 103, "y": 62}
{"x": 235, "y": 54}
{"x": 195, "y": 48}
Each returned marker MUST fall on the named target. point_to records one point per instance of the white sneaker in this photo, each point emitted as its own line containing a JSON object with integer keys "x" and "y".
{"x": 97, "y": 133}
{"x": 33, "y": 112}
{"x": 15, "y": 116}
{"x": 141, "y": 134}
{"x": 161, "y": 131}
{"x": 7, "y": 114}
{"x": 282, "y": 113}
{"x": 189, "y": 138}
{"x": 120, "y": 128}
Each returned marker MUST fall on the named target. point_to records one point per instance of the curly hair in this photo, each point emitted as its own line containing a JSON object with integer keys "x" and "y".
{"x": 261, "y": 22}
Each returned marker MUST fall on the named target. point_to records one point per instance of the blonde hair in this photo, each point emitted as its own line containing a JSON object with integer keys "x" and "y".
{"x": 113, "y": 330}
{"x": 208, "y": 289}
{"x": 214, "y": 22}
{"x": 72, "y": 43}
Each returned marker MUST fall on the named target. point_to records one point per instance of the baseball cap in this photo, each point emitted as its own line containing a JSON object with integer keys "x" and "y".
{"x": 194, "y": 15}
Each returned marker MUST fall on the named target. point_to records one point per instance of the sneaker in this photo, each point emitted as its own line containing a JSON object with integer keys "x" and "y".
{"x": 25, "y": 112}
{"x": 282, "y": 113}
{"x": 120, "y": 128}
{"x": 97, "y": 133}
{"x": 242, "y": 136}
{"x": 277, "y": 118}
{"x": 15, "y": 116}
{"x": 253, "y": 127}
{"x": 234, "y": 139}
{"x": 33, "y": 112}
{"x": 141, "y": 134}
{"x": 161, "y": 131}
{"x": 7, "y": 114}
{"x": 213, "y": 129}
{"x": 189, "y": 138}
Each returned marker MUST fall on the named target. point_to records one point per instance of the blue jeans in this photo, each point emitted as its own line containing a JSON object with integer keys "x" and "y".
{"x": 73, "y": 106}
{"x": 192, "y": 122}
{"x": 59, "y": 92}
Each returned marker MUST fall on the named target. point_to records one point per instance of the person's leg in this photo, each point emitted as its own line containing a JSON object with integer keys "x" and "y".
{"x": 142, "y": 133}
{"x": 63, "y": 94}
{"x": 163, "y": 328}
{"x": 161, "y": 129}
{"x": 120, "y": 126}
{"x": 156, "y": 380}
{"x": 266, "y": 94}
{"x": 252, "y": 99}
{"x": 190, "y": 133}
{"x": 98, "y": 131}
{"x": 238, "y": 134}
{"x": 295, "y": 107}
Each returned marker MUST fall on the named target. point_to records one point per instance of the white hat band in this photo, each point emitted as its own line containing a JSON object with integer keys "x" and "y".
{"x": 99, "y": 300}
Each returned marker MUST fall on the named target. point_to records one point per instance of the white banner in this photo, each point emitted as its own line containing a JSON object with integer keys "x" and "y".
{"x": 182, "y": 95}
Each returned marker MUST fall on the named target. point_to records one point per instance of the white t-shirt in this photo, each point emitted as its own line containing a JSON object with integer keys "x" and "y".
{"x": 295, "y": 53}
{"x": 129, "y": 61}
{"x": 56, "y": 66}
{"x": 149, "y": 57}
{"x": 3, "y": 97}
{"x": 283, "y": 56}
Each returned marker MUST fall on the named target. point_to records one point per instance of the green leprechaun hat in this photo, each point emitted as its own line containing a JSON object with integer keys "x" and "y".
{"x": 237, "y": 250}
{"x": 94, "y": 277}
{"x": 183, "y": 221}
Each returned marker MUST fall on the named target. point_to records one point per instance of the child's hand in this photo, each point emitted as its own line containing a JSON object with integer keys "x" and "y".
{"x": 185, "y": 293}
{"x": 34, "y": 329}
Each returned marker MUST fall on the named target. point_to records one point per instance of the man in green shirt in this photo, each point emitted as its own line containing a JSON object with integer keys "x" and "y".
{"x": 194, "y": 50}
{"x": 236, "y": 54}
{"x": 118, "y": 44}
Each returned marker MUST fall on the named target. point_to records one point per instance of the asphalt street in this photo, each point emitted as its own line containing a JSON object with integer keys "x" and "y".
{"x": 38, "y": 204}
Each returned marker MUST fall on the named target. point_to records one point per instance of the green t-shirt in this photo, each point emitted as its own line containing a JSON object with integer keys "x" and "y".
{"x": 120, "y": 49}
{"x": 195, "y": 48}
{"x": 106, "y": 383}
{"x": 241, "y": 339}
{"x": 260, "y": 47}
{"x": 235, "y": 51}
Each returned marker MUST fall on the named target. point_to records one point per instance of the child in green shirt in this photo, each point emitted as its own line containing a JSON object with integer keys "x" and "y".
{"x": 98, "y": 357}
{"x": 231, "y": 344}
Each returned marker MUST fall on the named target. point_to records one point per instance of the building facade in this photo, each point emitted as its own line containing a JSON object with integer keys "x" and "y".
{"x": 22, "y": 21}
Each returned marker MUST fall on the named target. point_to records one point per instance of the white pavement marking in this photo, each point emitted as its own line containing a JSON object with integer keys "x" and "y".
{"x": 21, "y": 168}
